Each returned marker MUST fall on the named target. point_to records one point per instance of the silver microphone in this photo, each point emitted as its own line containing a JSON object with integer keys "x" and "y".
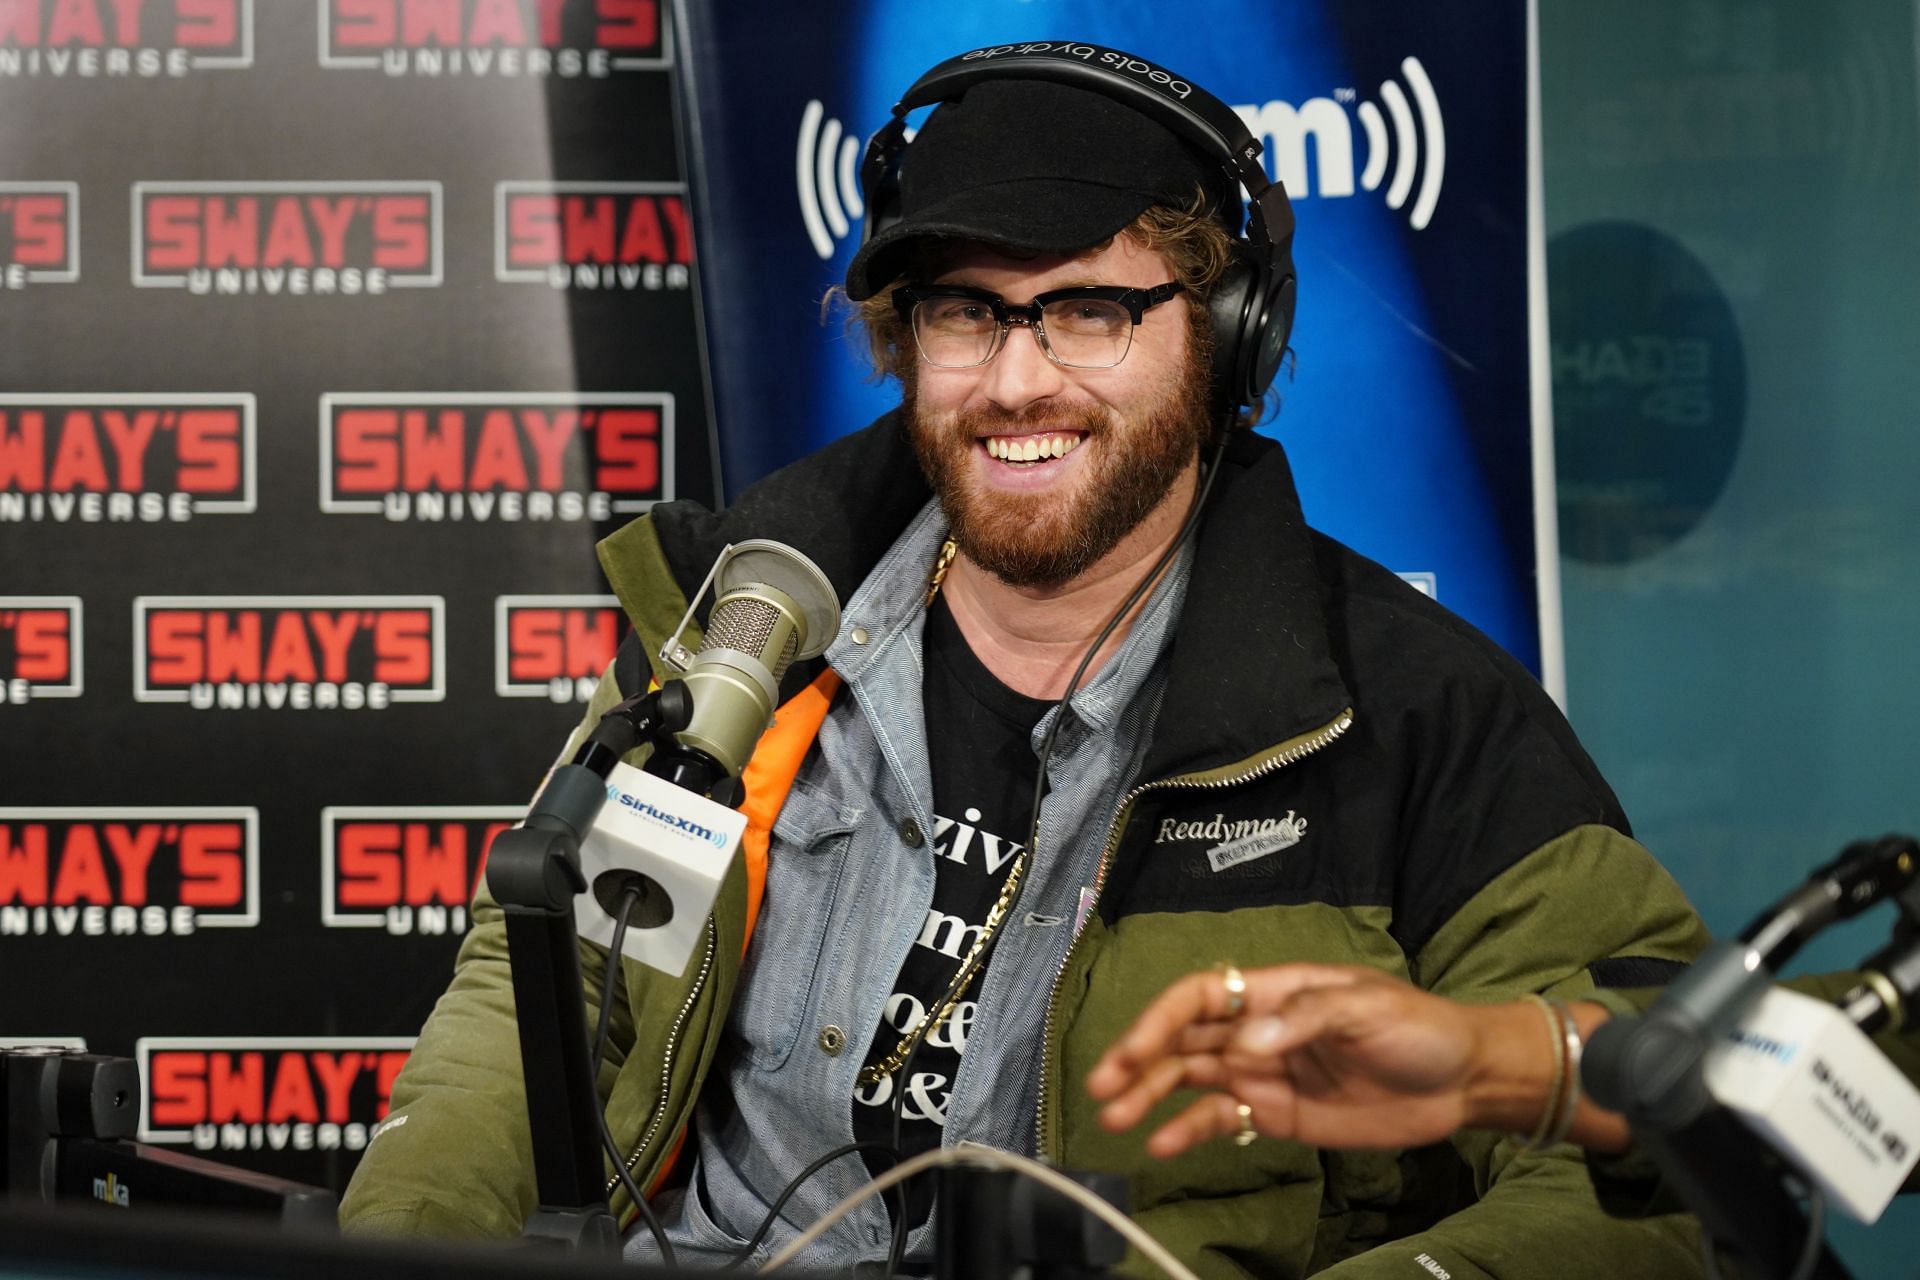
{"x": 772, "y": 607}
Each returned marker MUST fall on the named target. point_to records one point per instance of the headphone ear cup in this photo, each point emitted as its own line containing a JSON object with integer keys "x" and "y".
{"x": 1235, "y": 311}
{"x": 1267, "y": 340}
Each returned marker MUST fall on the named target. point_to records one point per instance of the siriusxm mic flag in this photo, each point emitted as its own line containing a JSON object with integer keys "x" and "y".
{"x": 1401, "y": 131}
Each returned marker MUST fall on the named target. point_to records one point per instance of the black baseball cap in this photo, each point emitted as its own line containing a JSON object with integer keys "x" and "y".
{"x": 1035, "y": 166}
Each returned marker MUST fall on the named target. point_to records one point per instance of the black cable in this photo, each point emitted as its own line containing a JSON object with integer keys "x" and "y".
{"x": 766, "y": 1223}
{"x": 628, "y": 900}
{"x": 1212, "y": 471}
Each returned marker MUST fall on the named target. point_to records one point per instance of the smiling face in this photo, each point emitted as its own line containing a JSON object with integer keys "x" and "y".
{"x": 1042, "y": 469}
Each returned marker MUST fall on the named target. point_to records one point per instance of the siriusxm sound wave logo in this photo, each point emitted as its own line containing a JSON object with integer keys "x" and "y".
{"x": 823, "y": 169}
{"x": 671, "y": 821}
{"x": 1349, "y": 134}
{"x": 1283, "y": 130}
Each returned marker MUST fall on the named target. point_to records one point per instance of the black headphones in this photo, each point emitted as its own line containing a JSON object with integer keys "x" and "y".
{"x": 1251, "y": 308}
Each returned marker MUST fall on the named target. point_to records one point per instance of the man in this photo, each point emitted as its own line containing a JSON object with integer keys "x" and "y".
{"x": 1279, "y": 753}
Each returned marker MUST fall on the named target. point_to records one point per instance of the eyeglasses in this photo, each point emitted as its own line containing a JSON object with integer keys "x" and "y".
{"x": 1087, "y": 327}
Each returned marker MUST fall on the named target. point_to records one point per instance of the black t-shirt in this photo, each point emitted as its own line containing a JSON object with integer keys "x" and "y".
{"x": 979, "y": 744}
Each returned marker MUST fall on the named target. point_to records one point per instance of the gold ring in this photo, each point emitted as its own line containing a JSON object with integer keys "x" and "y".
{"x": 1236, "y": 985}
{"x": 1247, "y": 1133}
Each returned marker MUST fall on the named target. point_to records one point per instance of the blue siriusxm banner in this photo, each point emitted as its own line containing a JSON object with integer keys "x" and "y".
{"x": 1400, "y": 131}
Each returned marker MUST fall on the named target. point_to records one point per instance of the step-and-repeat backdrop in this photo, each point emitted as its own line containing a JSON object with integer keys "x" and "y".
{"x": 334, "y": 332}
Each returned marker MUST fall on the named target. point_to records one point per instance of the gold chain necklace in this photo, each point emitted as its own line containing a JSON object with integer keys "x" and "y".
{"x": 970, "y": 966}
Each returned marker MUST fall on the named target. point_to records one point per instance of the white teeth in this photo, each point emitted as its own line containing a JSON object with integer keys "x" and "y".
{"x": 1045, "y": 446}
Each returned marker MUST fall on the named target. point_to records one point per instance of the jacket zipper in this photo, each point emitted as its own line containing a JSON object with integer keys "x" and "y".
{"x": 666, "y": 1062}
{"x": 1288, "y": 752}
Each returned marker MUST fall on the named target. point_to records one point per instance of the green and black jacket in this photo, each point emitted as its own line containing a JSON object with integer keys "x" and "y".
{"x": 1451, "y": 831}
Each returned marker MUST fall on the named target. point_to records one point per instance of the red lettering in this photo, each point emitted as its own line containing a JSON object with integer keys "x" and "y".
{"x": 40, "y": 230}
{"x": 431, "y": 20}
{"x": 130, "y": 434}
{"x": 77, "y": 463}
{"x": 83, "y": 872}
{"x": 676, "y": 210}
{"x": 20, "y": 22}
{"x": 550, "y": 20}
{"x": 233, "y": 646}
{"x": 332, "y": 218}
{"x": 23, "y": 451}
{"x": 589, "y": 228}
{"x": 232, "y": 231}
{"x": 208, "y": 444}
{"x": 364, "y": 457}
{"x": 629, "y": 24}
{"x": 292, "y": 1097}
{"x": 23, "y": 864}
{"x": 175, "y": 653}
{"x": 433, "y": 456}
{"x": 592, "y": 637}
{"x": 550, "y": 436}
{"x": 335, "y": 633}
{"x": 629, "y": 448}
{"x": 535, "y": 644}
{"x": 287, "y": 242}
{"x": 179, "y": 1086}
{"x": 235, "y": 1094}
{"x": 43, "y": 645}
{"x": 75, "y": 20}
{"x": 403, "y": 645}
{"x": 400, "y": 235}
{"x": 437, "y": 872}
{"x": 289, "y": 656}
{"x": 207, "y": 23}
{"x": 172, "y": 239}
{"x": 497, "y": 461}
{"x": 643, "y": 241}
{"x": 497, "y": 22}
{"x": 213, "y": 864}
{"x": 337, "y": 1072}
{"x": 133, "y": 849}
{"x": 369, "y": 864}
{"x": 533, "y": 225}
{"x": 364, "y": 24}
{"x": 126, "y": 21}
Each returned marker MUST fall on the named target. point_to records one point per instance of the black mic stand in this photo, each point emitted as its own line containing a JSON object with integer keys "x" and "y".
{"x": 534, "y": 873}
{"x": 1649, "y": 1068}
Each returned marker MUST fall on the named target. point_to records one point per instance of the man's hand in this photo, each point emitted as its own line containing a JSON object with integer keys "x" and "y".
{"x": 1336, "y": 1056}
{"x": 1329, "y": 1055}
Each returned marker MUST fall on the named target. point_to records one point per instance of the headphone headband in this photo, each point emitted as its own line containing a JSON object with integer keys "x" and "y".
{"x": 1251, "y": 310}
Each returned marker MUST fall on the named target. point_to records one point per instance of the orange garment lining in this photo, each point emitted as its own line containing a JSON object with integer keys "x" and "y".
{"x": 767, "y": 779}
